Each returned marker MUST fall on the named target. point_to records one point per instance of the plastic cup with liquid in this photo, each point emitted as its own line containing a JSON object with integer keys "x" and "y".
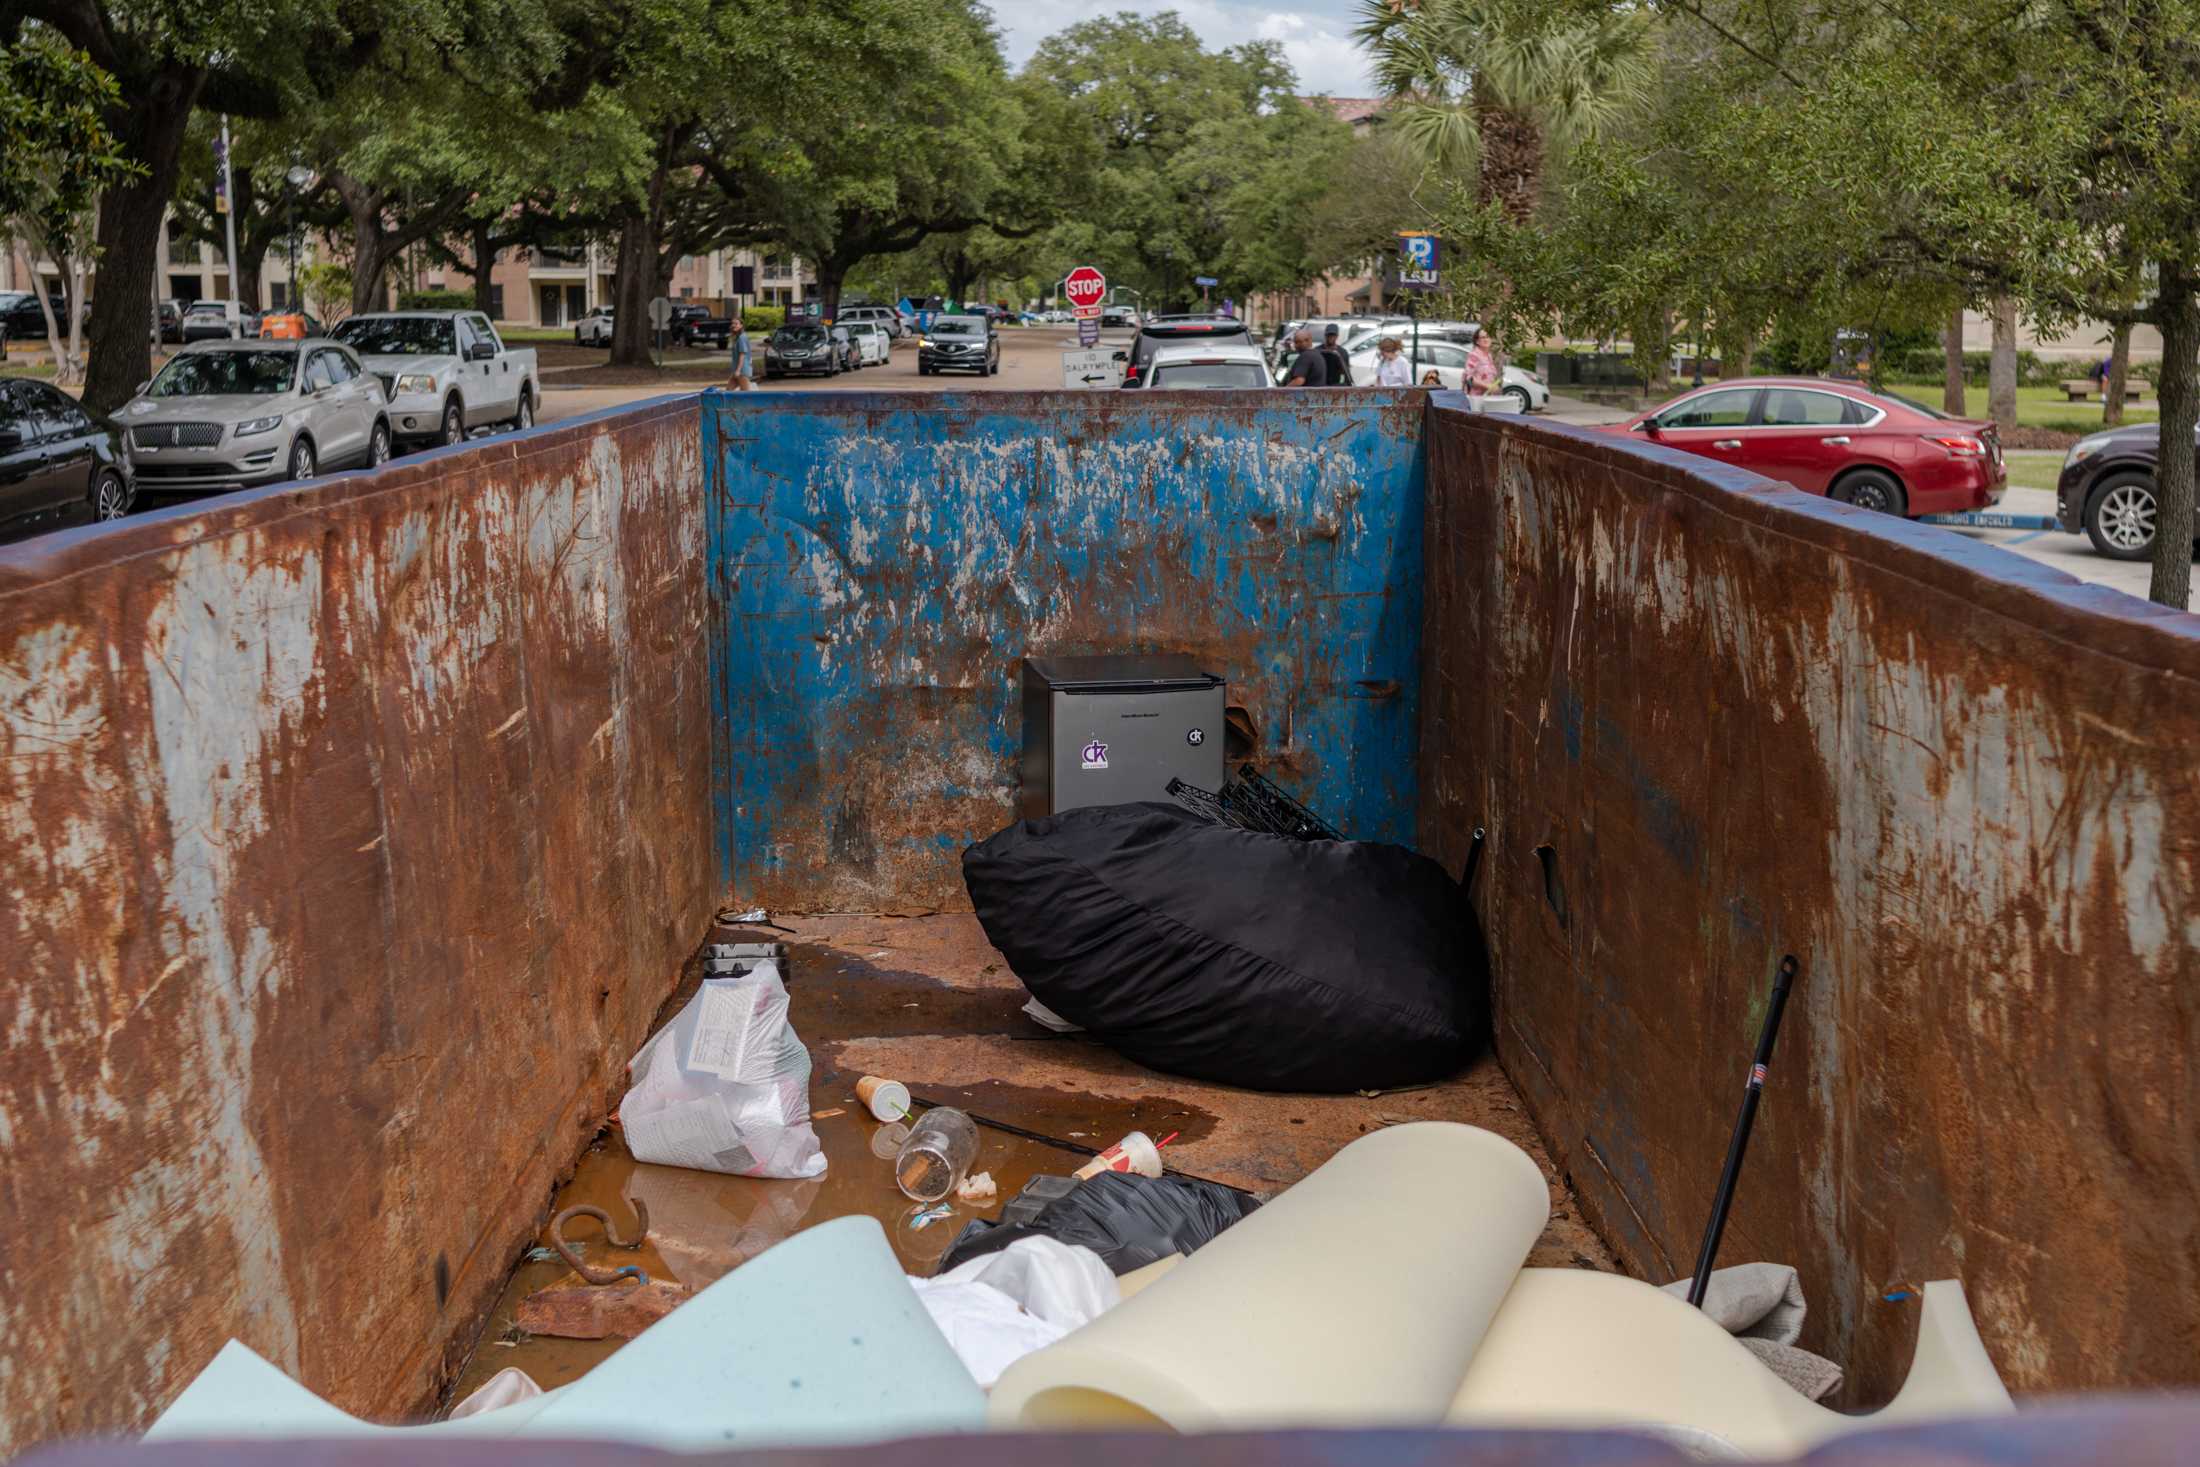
{"x": 941, "y": 1146}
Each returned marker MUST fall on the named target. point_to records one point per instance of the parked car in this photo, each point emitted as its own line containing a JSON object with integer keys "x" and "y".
{"x": 708, "y": 332}
{"x": 966, "y": 343}
{"x": 1193, "y": 364}
{"x": 286, "y": 325}
{"x": 19, "y": 313}
{"x": 209, "y": 321}
{"x": 58, "y": 461}
{"x": 873, "y": 345}
{"x": 171, "y": 320}
{"x": 444, "y": 372}
{"x": 1835, "y": 438}
{"x": 851, "y": 355}
{"x": 1448, "y": 360}
{"x": 1118, "y": 316}
{"x": 682, "y": 318}
{"x": 236, "y": 414}
{"x": 1160, "y": 331}
{"x": 801, "y": 349}
{"x": 886, "y": 318}
{"x": 594, "y": 329}
{"x": 2106, "y": 491}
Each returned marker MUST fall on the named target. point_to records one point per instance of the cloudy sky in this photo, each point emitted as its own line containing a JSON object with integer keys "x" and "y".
{"x": 1315, "y": 34}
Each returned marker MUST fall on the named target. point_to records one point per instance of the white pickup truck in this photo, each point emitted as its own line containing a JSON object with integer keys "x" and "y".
{"x": 444, "y": 372}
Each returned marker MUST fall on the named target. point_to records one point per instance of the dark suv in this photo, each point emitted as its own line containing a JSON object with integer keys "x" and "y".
{"x": 2106, "y": 491}
{"x": 1161, "y": 331}
{"x": 960, "y": 344}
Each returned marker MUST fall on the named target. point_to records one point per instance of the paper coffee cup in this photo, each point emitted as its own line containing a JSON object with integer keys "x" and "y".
{"x": 887, "y": 1100}
{"x": 1134, "y": 1153}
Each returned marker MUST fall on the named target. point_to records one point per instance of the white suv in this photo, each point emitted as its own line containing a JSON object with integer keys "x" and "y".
{"x": 593, "y": 329}
{"x": 1202, "y": 365}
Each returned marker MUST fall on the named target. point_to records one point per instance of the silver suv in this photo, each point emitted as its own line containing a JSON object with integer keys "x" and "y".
{"x": 234, "y": 414}
{"x": 886, "y": 318}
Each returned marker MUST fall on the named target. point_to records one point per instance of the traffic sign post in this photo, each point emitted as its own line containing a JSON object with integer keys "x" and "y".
{"x": 660, "y": 316}
{"x": 1086, "y": 289}
{"x": 1089, "y": 371}
{"x": 1088, "y": 332}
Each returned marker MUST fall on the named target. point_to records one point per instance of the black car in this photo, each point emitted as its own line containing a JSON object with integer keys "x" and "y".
{"x": 695, "y": 326}
{"x": 171, "y": 320}
{"x": 960, "y": 344}
{"x": 803, "y": 349}
{"x": 19, "y": 313}
{"x": 2106, "y": 491}
{"x": 707, "y": 330}
{"x": 58, "y": 463}
{"x": 1160, "y": 331}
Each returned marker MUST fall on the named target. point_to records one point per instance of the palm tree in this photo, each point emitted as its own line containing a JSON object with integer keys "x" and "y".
{"x": 1493, "y": 85}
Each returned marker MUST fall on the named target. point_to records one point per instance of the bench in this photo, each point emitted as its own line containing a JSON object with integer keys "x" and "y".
{"x": 2081, "y": 389}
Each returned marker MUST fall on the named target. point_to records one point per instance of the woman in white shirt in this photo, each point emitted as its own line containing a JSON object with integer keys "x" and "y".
{"x": 1391, "y": 369}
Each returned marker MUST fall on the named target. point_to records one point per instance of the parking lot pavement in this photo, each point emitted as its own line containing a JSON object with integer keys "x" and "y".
{"x": 1030, "y": 360}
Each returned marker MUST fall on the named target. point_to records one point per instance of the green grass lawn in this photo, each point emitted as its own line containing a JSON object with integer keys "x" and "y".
{"x": 2033, "y": 471}
{"x": 531, "y": 334}
{"x": 2037, "y": 407}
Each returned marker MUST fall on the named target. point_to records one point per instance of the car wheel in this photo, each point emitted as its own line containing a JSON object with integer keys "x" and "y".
{"x": 2119, "y": 517}
{"x": 1871, "y": 489}
{"x": 1520, "y": 395}
{"x": 525, "y": 417}
{"x": 301, "y": 458}
{"x": 378, "y": 446}
{"x": 454, "y": 423}
{"x": 110, "y": 496}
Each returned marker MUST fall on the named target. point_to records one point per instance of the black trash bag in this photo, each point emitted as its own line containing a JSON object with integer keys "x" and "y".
{"x": 1129, "y": 1220}
{"x": 1229, "y": 955}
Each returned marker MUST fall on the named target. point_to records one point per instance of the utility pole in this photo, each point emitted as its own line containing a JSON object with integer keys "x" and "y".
{"x": 297, "y": 177}
{"x": 229, "y": 221}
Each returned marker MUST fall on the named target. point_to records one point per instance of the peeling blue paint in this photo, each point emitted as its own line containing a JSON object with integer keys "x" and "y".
{"x": 879, "y": 563}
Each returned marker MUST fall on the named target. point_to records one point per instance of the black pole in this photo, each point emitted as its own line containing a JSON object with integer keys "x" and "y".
{"x": 1474, "y": 862}
{"x": 1736, "y": 1147}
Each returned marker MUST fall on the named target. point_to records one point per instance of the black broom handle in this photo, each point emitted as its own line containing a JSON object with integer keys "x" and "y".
{"x": 1739, "y": 1145}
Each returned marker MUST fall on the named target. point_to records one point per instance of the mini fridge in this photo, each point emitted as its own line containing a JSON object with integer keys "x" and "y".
{"x": 1112, "y": 730}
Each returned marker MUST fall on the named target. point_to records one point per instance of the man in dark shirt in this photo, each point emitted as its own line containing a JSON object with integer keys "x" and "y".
{"x": 1308, "y": 369}
{"x": 1340, "y": 370}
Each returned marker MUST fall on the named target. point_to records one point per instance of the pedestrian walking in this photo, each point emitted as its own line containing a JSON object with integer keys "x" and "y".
{"x": 1309, "y": 368}
{"x": 1481, "y": 373}
{"x": 1340, "y": 370}
{"x": 1391, "y": 368}
{"x": 738, "y": 354}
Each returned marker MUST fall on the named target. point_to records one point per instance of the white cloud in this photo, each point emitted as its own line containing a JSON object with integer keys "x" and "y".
{"x": 1316, "y": 37}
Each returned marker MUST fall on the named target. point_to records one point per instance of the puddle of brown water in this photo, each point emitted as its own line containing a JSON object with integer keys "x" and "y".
{"x": 703, "y": 1225}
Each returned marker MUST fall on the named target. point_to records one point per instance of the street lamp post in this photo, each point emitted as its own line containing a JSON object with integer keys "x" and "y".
{"x": 297, "y": 177}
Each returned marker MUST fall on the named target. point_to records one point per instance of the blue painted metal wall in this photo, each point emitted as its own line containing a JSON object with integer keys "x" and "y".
{"x": 879, "y": 563}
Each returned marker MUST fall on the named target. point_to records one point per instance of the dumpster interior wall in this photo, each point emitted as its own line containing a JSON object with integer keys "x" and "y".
{"x": 884, "y": 563}
{"x": 1708, "y": 721}
{"x": 353, "y": 836}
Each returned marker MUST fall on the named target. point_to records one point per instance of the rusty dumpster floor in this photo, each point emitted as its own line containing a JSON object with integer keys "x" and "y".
{"x": 927, "y": 1001}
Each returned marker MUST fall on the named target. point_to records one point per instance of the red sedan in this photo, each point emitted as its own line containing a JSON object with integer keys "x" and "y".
{"x": 1839, "y": 439}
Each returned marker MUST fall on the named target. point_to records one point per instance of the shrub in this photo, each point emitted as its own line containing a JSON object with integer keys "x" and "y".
{"x": 435, "y": 300}
{"x": 1926, "y": 364}
{"x": 764, "y": 319}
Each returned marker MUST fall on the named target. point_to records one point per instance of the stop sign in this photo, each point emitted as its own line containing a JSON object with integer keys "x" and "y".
{"x": 1085, "y": 288}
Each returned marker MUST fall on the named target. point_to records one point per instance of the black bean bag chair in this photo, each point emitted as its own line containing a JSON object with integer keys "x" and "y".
{"x": 1228, "y": 955}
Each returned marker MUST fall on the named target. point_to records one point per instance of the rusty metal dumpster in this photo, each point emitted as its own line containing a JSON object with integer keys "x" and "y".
{"x": 354, "y": 833}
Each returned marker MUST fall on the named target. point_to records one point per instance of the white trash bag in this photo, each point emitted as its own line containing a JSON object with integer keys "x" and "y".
{"x": 725, "y": 1087}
